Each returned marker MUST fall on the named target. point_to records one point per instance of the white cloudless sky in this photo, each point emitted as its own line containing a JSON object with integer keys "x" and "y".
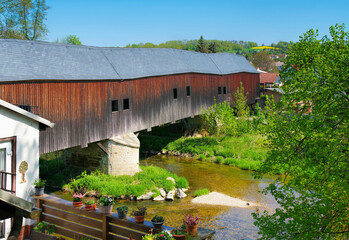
{"x": 121, "y": 22}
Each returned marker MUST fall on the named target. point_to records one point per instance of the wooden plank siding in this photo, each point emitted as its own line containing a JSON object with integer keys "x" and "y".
{"x": 82, "y": 109}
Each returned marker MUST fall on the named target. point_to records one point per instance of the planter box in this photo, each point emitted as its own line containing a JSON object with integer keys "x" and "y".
{"x": 41, "y": 236}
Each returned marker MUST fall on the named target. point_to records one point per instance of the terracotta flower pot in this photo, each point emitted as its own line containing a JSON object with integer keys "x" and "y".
{"x": 90, "y": 207}
{"x": 177, "y": 237}
{"x": 139, "y": 219}
{"x": 106, "y": 209}
{"x": 77, "y": 204}
{"x": 192, "y": 229}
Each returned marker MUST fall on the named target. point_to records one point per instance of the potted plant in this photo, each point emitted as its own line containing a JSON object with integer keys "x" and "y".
{"x": 106, "y": 205}
{"x": 90, "y": 204}
{"x": 39, "y": 186}
{"x": 157, "y": 221}
{"x": 43, "y": 231}
{"x": 178, "y": 234}
{"x": 162, "y": 236}
{"x": 122, "y": 211}
{"x": 77, "y": 200}
{"x": 139, "y": 214}
{"x": 191, "y": 223}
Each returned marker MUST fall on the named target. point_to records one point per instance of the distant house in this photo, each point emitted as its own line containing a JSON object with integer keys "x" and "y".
{"x": 267, "y": 80}
{"x": 19, "y": 154}
{"x": 275, "y": 92}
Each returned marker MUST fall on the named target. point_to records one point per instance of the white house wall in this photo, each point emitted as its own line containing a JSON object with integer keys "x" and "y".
{"x": 26, "y": 131}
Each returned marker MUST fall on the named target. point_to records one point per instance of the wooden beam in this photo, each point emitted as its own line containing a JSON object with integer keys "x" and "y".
{"x": 103, "y": 148}
{"x": 15, "y": 201}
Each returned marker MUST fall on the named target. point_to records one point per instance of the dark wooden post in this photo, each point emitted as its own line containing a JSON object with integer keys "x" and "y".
{"x": 39, "y": 205}
{"x": 105, "y": 227}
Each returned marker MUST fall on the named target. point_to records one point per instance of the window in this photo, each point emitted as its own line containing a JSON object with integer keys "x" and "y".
{"x": 219, "y": 90}
{"x": 126, "y": 104}
{"x": 224, "y": 90}
{"x": 188, "y": 91}
{"x": 175, "y": 93}
{"x": 114, "y": 105}
{"x": 2, "y": 229}
{"x": 32, "y": 109}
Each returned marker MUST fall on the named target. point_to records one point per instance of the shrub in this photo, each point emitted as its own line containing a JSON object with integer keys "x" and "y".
{"x": 219, "y": 159}
{"x": 201, "y": 192}
{"x": 168, "y": 185}
{"x": 149, "y": 179}
{"x": 182, "y": 182}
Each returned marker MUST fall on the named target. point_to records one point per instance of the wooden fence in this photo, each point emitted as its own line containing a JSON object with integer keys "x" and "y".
{"x": 78, "y": 223}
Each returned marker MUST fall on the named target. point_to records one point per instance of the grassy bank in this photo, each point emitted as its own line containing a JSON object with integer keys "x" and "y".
{"x": 246, "y": 151}
{"x": 149, "y": 179}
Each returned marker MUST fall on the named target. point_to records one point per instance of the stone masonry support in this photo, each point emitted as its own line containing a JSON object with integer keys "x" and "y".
{"x": 116, "y": 156}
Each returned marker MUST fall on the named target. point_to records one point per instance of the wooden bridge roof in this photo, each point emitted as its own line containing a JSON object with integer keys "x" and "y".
{"x": 22, "y": 60}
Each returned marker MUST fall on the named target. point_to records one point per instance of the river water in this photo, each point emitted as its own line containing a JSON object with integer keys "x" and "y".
{"x": 228, "y": 222}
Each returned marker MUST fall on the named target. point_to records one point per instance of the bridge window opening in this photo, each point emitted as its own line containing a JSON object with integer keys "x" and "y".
{"x": 114, "y": 105}
{"x": 126, "y": 104}
{"x": 188, "y": 91}
{"x": 224, "y": 90}
{"x": 175, "y": 93}
{"x": 219, "y": 90}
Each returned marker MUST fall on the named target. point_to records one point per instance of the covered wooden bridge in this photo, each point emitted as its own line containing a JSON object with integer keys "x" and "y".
{"x": 96, "y": 93}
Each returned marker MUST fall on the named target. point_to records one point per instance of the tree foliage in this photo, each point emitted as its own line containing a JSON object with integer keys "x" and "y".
{"x": 70, "y": 39}
{"x": 201, "y": 46}
{"x": 23, "y": 19}
{"x": 263, "y": 61}
{"x": 308, "y": 136}
{"x": 231, "y": 119}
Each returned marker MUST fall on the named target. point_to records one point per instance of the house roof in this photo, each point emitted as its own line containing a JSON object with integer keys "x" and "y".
{"x": 22, "y": 60}
{"x": 268, "y": 77}
{"x": 278, "y": 90}
{"x": 27, "y": 114}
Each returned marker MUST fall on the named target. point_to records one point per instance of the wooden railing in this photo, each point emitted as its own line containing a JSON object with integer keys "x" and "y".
{"x": 78, "y": 223}
{"x": 4, "y": 183}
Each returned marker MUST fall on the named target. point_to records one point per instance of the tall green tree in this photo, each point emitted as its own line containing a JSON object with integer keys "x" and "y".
{"x": 308, "y": 142}
{"x": 201, "y": 45}
{"x": 24, "y": 19}
{"x": 212, "y": 47}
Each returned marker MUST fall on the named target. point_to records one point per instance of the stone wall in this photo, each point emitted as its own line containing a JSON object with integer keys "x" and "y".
{"x": 116, "y": 156}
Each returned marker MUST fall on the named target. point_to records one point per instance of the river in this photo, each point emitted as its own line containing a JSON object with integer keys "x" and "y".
{"x": 229, "y": 223}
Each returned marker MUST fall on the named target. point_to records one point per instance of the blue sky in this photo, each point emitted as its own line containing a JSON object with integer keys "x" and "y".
{"x": 120, "y": 22}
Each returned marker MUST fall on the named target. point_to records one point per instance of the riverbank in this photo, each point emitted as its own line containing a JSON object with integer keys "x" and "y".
{"x": 246, "y": 152}
{"x": 150, "y": 180}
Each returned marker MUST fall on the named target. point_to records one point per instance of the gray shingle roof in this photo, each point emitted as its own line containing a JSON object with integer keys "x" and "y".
{"x": 33, "y": 60}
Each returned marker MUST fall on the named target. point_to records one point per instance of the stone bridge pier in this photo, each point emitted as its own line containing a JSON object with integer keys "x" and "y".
{"x": 116, "y": 156}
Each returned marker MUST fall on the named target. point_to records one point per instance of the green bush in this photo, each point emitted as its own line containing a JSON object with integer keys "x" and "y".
{"x": 219, "y": 159}
{"x": 201, "y": 192}
{"x": 182, "y": 182}
{"x": 149, "y": 179}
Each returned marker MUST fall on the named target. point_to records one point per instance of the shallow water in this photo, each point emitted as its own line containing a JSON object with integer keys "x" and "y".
{"x": 229, "y": 222}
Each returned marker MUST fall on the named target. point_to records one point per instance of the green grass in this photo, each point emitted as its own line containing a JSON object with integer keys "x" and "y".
{"x": 148, "y": 179}
{"x": 201, "y": 192}
{"x": 245, "y": 152}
